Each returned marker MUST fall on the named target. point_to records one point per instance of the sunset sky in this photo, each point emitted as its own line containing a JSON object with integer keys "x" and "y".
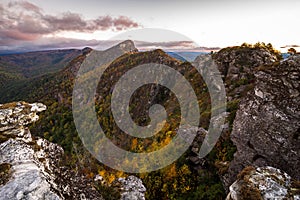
{"x": 38, "y": 24}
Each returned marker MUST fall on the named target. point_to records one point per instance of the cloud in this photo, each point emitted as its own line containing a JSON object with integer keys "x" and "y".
{"x": 14, "y": 34}
{"x": 123, "y": 22}
{"x": 24, "y": 21}
{"x": 26, "y": 27}
{"x": 65, "y": 43}
{"x": 290, "y": 46}
{"x": 25, "y": 5}
{"x": 174, "y": 46}
{"x": 208, "y": 49}
{"x": 170, "y": 44}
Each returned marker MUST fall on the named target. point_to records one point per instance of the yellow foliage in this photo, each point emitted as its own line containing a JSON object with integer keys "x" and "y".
{"x": 166, "y": 141}
{"x": 102, "y": 173}
{"x": 169, "y": 133}
{"x": 187, "y": 188}
{"x": 165, "y": 187}
{"x": 175, "y": 186}
{"x": 171, "y": 172}
{"x": 134, "y": 143}
{"x": 111, "y": 178}
{"x": 120, "y": 174}
{"x": 184, "y": 170}
{"x": 90, "y": 175}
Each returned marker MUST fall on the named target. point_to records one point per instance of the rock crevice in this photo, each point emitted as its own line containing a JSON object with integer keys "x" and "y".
{"x": 33, "y": 168}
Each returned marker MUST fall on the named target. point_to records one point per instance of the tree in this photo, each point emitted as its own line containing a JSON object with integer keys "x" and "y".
{"x": 292, "y": 51}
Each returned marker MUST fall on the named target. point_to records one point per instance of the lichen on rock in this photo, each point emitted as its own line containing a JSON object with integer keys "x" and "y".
{"x": 263, "y": 183}
{"x": 131, "y": 188}
{"x": 28, "y": 178}
{"x": 266, "y": 128}
{"x": 30, "y": 168}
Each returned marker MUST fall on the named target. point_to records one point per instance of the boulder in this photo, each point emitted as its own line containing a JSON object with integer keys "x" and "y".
{"x": 263, "y": 183}
{"x": 131, "y": 188}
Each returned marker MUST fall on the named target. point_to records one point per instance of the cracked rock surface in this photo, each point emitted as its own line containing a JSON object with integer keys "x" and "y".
{"x": 30, "y": 168}
{"x": 263, "y": 183}
{"x": 266, "y": 129}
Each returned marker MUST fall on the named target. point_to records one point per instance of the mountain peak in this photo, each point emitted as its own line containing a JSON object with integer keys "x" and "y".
{"x": 86, "y": 50}
{"x": 126, "y": 46}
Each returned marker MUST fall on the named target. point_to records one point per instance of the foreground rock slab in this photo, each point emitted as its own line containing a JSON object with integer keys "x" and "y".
{"x": 30, "y": 168}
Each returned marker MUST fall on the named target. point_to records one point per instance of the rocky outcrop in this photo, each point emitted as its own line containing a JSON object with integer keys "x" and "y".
{"x": 30, "y": 167}
{"x": 236, "y": 63}
{"x": 29, "y": 178}
{"x": 263, "y": 183}
{"x": 266, "y": 128}
{"x": 131, "y": 188}
{"x": 196, "y": 161}
{"x": 28, "y": 160}
{"x": 14, "y": 116}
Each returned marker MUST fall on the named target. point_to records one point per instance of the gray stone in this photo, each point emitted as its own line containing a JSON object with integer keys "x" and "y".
{"x": 35, "y": 171}
{"x": 266, "y": 129}
{"x": 131, "y": 188}
{"x": 262, "y": 183}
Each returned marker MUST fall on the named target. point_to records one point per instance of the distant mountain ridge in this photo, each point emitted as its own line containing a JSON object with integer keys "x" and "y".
{"x": 185, "y": 56}
{"x": 18, "y": 67}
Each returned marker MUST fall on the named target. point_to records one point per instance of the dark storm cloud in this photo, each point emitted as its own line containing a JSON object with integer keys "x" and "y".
{"x": 24, "y": 21}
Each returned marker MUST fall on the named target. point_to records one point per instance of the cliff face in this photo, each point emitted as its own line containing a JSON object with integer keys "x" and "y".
{"x": 237, "y": 65}
{"x": 30, "y": 167}
{"x": 236, "y": 62}
{"x": 267, "y": 125}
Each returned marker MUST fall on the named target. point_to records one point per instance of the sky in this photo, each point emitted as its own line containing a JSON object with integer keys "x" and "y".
{"x": 29, "y": 25}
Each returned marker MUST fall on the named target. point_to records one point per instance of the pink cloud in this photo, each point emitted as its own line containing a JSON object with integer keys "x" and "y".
{"x": 22, "y": 20}
{"x": 17, "y": 35}
{"x": 25, "y": 5}
{"x": 124, "y": 22}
